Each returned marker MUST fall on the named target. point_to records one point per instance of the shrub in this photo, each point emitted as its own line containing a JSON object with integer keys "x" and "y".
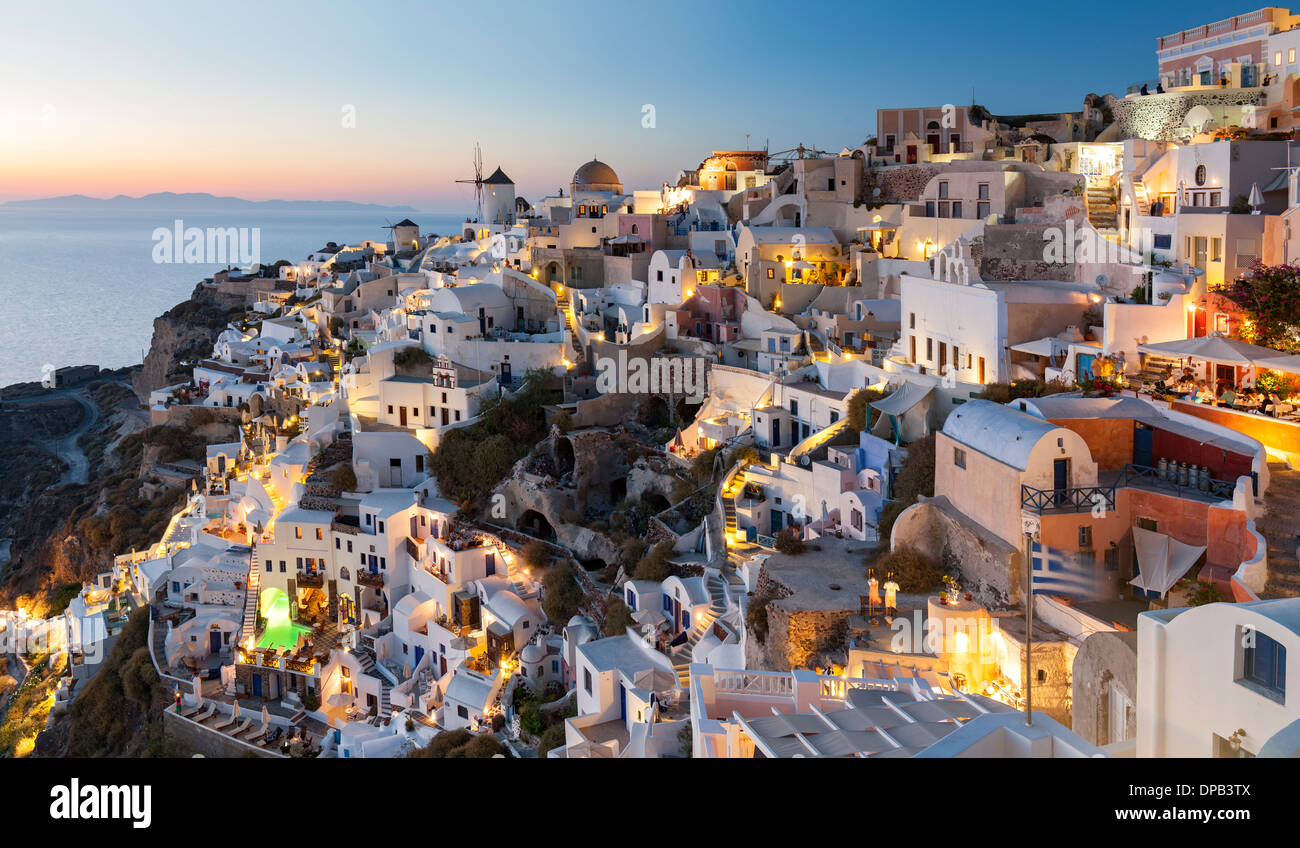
{"x": 563, "y": 420}
{"x": 790, "y": 541}
{"x": 344, "y": 478}
{"x": 914, "y": 572}
{"x": 654, "y": 565}
{"x": 410, "y": 357}
{"x": 536, "y": 554}
{"x": 561, "y": 594}
{"x": 756, "y": 615}
{"x": 618, "y": 617}
{"x": 552, "y": 737}
{"x": 858, "y": 407}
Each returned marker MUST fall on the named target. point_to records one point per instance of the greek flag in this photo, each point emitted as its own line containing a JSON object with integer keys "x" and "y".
{"x": 1056, "y": 573}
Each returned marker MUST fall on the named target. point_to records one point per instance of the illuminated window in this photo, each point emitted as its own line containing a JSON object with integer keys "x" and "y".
{"x": 297, "y": 532}
{"x": 1290, "y": 55}
{"x": 959, "y": 457}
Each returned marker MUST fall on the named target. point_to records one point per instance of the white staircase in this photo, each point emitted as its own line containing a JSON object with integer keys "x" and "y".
{"x": 250, "y": 597}
{"x": 682, "y": 655}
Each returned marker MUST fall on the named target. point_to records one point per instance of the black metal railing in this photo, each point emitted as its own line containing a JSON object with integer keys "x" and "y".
{"x": 1084, "y": 498}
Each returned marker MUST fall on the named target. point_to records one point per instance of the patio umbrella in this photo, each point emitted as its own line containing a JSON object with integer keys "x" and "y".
{"x": 266, "y": 718}
{"x": 339, "y": 699}
{"x": 406, "y": 669}
{"x": 198, "y": 692}
{"x": 235, "y": 712}
{"x": 654, "y": 679}
{"x": 1256, "y": 199}
{"x": 1288, "y": 363}
{"x": 1215, "y": 347}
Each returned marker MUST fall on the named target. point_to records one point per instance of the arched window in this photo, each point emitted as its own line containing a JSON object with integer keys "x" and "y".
{"x": 344, "y": 574}
{"x": 634, "y": 229}
{"x": 933, "y": 125}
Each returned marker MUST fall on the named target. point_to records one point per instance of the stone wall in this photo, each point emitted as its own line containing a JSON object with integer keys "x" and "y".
{"x": 199, "y": 740}
{"x": 905, "y": 183}
{"x": 990, "y": 568}
{"x": 1157, "y": 116}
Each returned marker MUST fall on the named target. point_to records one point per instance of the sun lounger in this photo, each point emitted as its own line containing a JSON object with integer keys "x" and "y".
{"x": 203, "y": 714}
{"x": 242, "y": 727}
{"x": 225, "y": 722}
{"x": 253, "y": 732}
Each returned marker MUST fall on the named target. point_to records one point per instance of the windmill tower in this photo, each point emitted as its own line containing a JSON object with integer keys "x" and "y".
{"x": 477, "y": 182}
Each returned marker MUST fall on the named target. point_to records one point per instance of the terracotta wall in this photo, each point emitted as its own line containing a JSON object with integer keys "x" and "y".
{"x": 1109, "y": 439}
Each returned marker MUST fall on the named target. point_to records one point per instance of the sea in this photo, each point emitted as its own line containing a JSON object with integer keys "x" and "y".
{"x": 82, "y": 287}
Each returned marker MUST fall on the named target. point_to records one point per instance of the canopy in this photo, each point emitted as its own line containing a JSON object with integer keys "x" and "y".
{"x": 1282, "y": 362}
{"x": 1048, "y": 346}
{"x": 1162, "y": 561}
{"x": 1216, "y": 347}
{"x": 907, "y": 396}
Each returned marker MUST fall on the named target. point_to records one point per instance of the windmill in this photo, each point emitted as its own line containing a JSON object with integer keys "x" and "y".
{"x": 477, "y": 182}
{"x": 800, "y": 152}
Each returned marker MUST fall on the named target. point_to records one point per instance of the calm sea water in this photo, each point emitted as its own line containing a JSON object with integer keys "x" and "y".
{"x": 81, "y": 287}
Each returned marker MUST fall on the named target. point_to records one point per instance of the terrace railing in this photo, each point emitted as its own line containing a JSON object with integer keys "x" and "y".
{"x": 1085, "y": 498}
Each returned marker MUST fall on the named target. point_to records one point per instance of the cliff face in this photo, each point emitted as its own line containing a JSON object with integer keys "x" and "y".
{"x": 186, "y": 331}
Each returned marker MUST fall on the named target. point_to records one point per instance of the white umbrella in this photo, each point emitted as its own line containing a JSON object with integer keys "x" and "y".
{"x": 266, "y": 718}
{"x": 1215, "y": 347}
{"x": 235, "y": 712}
{"x": 1282, "y": 362}
{"x": 339, "y": 699}
{"x": 198, "y": 692}
{"x": 1256, "y": 199}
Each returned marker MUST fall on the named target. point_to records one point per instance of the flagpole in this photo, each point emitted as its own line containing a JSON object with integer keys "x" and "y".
{"x": 1029, "y": 629}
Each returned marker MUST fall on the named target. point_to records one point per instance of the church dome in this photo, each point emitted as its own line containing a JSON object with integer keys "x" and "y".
{"x": 596, "y": 176}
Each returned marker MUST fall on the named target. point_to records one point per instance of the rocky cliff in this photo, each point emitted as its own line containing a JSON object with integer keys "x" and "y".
{"x": 185, "y": 332}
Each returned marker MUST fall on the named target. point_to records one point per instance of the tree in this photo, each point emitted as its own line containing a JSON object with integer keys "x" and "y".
{"x": 858, "y": 407}
{"x": 344, "y": 478}
{"x": 790, "y": 541}
{"x": 1270, "y": 297}
{"x": 561, "y": 593}
{"x": 915, "y": 478}
{"x": 618, "y": 617}
{"x": 914, "y": 572}
{"x": 655, "y": 565}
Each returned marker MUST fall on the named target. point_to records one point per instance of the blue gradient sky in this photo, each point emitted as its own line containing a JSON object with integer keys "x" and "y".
{"x": 246, "y": 98}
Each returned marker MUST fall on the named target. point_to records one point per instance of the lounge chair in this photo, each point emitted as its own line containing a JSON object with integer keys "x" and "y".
{"x": 243, "y": 725}
{"x": 203, "y": 714}
{"x": 252, "y": 733}
{"x": 225, "y": 722}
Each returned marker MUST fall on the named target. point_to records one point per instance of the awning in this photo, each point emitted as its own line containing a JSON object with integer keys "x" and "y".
{"x": 908, "y": 396}
{"x": 1282, "y": 362}
{"x": 1162, "y": 561}
{"x": 1215, "y": 347}
{"x": 1049, "y": 346}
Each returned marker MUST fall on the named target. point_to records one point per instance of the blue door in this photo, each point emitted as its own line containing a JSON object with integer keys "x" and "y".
{"x": 214, "y": 641}
{"x": 257, "y": 685}
{"x": 1060, "y": 479}
{"x": 419, "y": 654}
{"x": 491, "y": 563}
{"x": 622, "y": 701}
{"x": 1143, "y": 446}
{"x": 777, "y": 521}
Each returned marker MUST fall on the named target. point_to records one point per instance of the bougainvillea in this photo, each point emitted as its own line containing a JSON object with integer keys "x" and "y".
{"x": 1270, "y": 297}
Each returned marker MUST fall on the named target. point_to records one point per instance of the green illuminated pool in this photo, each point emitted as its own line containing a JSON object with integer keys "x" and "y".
{"x": 281, "y": 632}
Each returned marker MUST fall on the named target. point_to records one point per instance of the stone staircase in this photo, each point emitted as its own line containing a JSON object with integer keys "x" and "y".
{"x": 1280, "y": 526}
{"x": 1102, "y": 210}
{"x": 368, "y": 661}
{"x": 250, "y": 597}
{"x": 1141, "y": 197}
{"x": 682, "y": 655}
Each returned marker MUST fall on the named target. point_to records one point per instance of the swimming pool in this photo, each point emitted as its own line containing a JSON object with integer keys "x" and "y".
{"x": 281, "y": 632}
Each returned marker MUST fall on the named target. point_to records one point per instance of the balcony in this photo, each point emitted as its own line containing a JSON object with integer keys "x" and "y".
{"x": 374, "y": 580}
{"x": 310, "y": 580}
{"x": 1086, "y": 498}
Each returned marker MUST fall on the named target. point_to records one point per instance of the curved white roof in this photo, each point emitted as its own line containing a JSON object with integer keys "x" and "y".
{"x": 998, "y": 431}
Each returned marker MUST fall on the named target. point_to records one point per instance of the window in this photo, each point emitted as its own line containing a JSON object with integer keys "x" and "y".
{"x": 771, "y": 272}
{"x": 959, "y": 457}
{"x": 889, "y": 139}
{"x": 297, "y": 532}
{"x": 318, "y": 534}
{"x": 956, "y": 209}
{"x": 983, "y": 191}
{"x": 982, "y": 210}
{"x": 1263, "y": 663}
{"x": 586, "y": 680}
{"x": 462, "y": 712}
{"x": 1277, "y": 58}
{"x": 929, "y": 349}
{"x": 911, "y": 321}
{"x": 381, "y": 527}
{"x": 943, "y": 190}
{"x": 659, "y": 276}
{"x": 1290, "y": 56}
{"x": 1085, "y": 536}
{"x": 1200, "y": 174}
{"x": 929, "y": 209}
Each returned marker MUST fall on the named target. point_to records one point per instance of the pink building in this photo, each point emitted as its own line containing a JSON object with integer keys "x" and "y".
{"x": 1198, "y": 56}
{"x": 712, "y": 314}
{"x": 945, "y": 128}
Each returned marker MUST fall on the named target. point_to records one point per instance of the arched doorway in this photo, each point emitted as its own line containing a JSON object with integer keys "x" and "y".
{"x": 535, "y": 524}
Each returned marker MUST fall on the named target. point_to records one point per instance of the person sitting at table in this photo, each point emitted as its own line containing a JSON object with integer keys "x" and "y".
{"x": 1203, "y": 393}
{"x": 1228, "y": 397}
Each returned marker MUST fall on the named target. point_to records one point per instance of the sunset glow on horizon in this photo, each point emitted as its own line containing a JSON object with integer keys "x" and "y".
{"x": 251, "y": 99}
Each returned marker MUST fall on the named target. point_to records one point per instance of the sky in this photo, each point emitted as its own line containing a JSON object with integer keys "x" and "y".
{"x": 384, "y": 102}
